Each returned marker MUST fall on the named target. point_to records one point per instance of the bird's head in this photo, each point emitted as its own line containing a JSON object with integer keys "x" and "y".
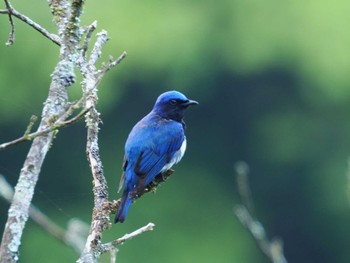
{"x": 172, "y": 105}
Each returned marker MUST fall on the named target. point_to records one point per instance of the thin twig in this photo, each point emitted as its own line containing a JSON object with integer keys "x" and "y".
{"x": 32, "y": 120}
{"x": 55, "y": 126}
{"x": 13, "y": 12}
{"x": 112, "y": 63}
{"x": 113, "y": 244}
{"x": 96, "y": 52}
{"x": 11, "y": 39}
{"x": 87, "y": 39}
{"x": 73, "y": 106}
{"x": 272, "y": 249}
{"x": 244, "y": 190}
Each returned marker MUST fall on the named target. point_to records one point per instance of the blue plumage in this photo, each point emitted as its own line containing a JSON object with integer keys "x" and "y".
{"x": 154, "y": 145}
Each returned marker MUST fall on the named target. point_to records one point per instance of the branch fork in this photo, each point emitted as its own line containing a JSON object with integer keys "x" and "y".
{"x": 56, "y": 112}
{"x": 11, "y": 11}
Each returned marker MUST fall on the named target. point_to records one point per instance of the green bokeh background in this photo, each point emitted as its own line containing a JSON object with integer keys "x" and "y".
{"x": 272, "y": 79}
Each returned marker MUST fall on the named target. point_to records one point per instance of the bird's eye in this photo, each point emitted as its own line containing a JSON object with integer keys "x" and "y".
{"x": 173, "y": 102}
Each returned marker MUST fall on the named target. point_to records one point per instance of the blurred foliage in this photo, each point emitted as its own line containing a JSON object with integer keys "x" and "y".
{"x": 272, "y": 81}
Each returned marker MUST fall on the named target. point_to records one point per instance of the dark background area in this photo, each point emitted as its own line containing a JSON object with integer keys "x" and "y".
{"x": 272, "y": 79}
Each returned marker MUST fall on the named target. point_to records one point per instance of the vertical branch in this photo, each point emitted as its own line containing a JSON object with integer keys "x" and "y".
{"x": 55, "y": 105}
{"x": 12, "y": 25}
{"x": 101, "y": 210}
{"x": 272, "y": 249}
{"x": 60, "y": 10}
{"x": 100, "y": 220}
{"x": 66, "y": 15}
{"x": 19, "y": 209}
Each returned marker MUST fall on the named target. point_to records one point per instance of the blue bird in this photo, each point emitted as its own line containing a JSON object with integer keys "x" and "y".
{"x": 154, "y": 145}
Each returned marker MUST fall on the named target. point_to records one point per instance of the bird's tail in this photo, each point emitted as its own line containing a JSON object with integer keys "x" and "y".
{"x": 123, "y": 208}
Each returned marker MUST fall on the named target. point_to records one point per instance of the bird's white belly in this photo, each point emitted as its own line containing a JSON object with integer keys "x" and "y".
{"x": 176, "y": 158}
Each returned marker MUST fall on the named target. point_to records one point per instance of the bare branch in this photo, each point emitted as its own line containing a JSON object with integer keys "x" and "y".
{"x": 96, "y": 52}
{"x": 55, "y": 106}
{"x": 32, "y": 120}
{"x": 60, "y": 10}
{"x": 113, "y": 255}
{"x": 152, "y": 186}
{"x": 19, "y": 209}
{"x": 100, "y": 215}
{"x": 88, "y": 35}
{"x": 113, "y": 245}
{"x": 54, "y": 116}
{"x": 13, "y": 12}
{"x": 73, "y": 32}
{"x": 12, "y": 25}
{"x": 272, "y": 249}
{"x": 244, "y": 191}
{"x": 75, "y": 235}
{"x": 55, "y": 126}
{"x": 72, "y": 237}
{"x": 102, "y": 207}
{"x": 112, "y": 63}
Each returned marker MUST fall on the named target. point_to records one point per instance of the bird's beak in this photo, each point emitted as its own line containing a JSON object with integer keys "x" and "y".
{"x": 190, "y": 102}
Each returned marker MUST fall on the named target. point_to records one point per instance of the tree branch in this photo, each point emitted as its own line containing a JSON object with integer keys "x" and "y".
{"x": 60, "y": 10}
{"x": 55, "y": 106}
{"x": 101, "y": 211}
{"x": 55, "y": 126}
{"x": 55, "y": 113}
{"x": 111, "y": 63}
{"x": 74, "y": 236}
{"x": 87, "y": 39}
{"x": 13, "y": 12}
{"x": 273, "y": 249}
{"x": 12, "y": 26}
{"x": 113, "y": 244}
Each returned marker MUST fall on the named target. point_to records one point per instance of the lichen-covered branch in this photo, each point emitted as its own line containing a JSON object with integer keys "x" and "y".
{"x": 100, "y": 215}
{"x": 272, "y": 249}
{"x": 55, "y": 106}
{"x": 74, "y": 236}
{"x": 56, "y": 111}
{"x": 58, "y": 124}
{"x": 19, "y": 209}
{"x": 60, "y": 10}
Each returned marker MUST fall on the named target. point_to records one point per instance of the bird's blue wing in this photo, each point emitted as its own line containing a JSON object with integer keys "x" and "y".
{"x": 152, "y": 160}
{"x": 155, "y": 148}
